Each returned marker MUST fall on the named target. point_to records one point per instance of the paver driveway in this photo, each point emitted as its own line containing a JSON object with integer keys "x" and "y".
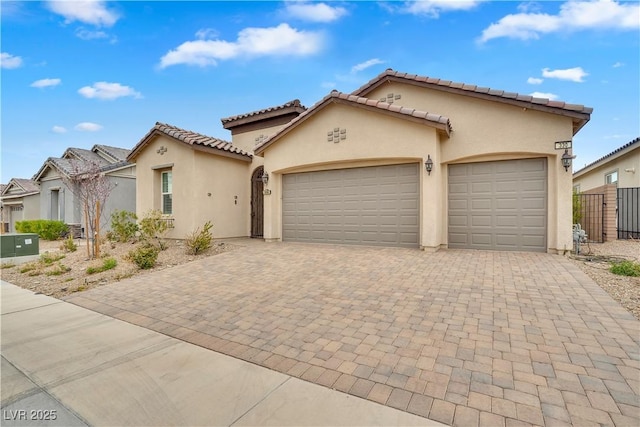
{"x": 461, "y": 337}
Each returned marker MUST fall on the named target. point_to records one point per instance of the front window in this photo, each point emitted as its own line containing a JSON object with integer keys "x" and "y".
{"x": 167, "y": 193}
{"x": 611, "y": 178}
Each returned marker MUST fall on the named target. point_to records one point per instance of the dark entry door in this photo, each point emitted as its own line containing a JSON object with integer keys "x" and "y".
{"x": 257, "y": 203}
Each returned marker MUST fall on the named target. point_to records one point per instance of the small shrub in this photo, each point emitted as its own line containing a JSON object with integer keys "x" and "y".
{"x": 153, "y": 227}
{"x": 123, "y": 226}
{"x": 199, "y": 240}
{"x": 625, "y": 268}
{"x": 144, "y": 256}
{"x": 58, "y": 270}
{"x": 69, "y": 245}
{"x": 48, "y": 258}
{"x": 28, "y": 267}
{"x": 45, "y": 228}
{"x": 7, "y": 265}
{"x": 107, "y": 264}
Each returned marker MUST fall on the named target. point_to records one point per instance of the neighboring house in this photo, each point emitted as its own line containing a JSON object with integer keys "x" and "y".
{"x": 620, "y": 167}
{"x": 610, "y": 194}
{"x": 57, "y": 202}
{"x": 402, "y": 161}
{"x": 20, "y": 200}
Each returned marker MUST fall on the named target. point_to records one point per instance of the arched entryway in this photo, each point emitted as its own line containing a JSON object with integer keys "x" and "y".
{"x": 257, "y": 203}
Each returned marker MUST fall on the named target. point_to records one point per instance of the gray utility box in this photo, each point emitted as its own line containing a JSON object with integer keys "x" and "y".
{"x": 19, "y": 244}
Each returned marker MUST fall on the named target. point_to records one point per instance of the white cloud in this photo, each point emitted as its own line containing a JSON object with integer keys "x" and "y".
{"x": 576, "y": 74}
{"x": 9, "y": 61}
{"x": 328, "y": 85}
{"x": 573, "y": 16}
{"x": 366, "y": 64}
{"x": 207, "y": 34}
{"x": 544, "y": 95}
{"x": 109, "y": 91}
{"x": 46, "y": 83}
{"x": 315, "y": 12}
{"x": 252, "y": 42}
{"x": 86, "y": 11}
{"x": 433, "y": 8}
{"x": 534, "y": 81}
{"x": 87, "y": 127}
{"x": 618, "y": 64}
{"x": 58, "y": 129}
{"x": 85, "y": 34}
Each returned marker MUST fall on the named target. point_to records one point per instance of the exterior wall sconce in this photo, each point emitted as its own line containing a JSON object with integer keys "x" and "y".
{"x": 265, "y": 178}
{"x": 566, "y": 160}
{"x": 428, "y": 164}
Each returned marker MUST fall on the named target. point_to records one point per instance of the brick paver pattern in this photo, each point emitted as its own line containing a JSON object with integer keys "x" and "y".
{"x": 461, "y": 337}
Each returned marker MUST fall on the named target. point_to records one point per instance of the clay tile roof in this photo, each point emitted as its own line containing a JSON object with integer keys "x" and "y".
{"x": 603, "y": 158}
{"x": 435, "y": 119}
{"x": 190, "y": 138}
{"x": 580, "y": 113}
{"x": 291, "y": 104}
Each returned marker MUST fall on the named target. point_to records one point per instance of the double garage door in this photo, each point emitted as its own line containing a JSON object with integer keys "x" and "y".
{"x": 492, "y": 205}
{"x": 369, "y": 206}
{"x": 499, "y": 205}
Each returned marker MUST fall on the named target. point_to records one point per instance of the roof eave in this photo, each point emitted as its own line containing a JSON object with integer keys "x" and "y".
{"x": 606, "y": 159}
{"x": 233, "y": 123}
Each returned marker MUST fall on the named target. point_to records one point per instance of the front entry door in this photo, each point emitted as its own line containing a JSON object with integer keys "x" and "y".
{"x": 257, "y": 203}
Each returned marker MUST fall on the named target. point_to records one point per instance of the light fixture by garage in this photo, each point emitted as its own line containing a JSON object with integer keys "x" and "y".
{"x": 428, "y": 164}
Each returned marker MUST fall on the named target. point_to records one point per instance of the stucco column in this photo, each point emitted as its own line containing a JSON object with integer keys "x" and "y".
{"x": 272, "y": 207}
{"x": 431, "y": 205}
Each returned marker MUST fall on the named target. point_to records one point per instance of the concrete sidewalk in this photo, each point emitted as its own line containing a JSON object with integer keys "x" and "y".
{"x": 77, "y": 367}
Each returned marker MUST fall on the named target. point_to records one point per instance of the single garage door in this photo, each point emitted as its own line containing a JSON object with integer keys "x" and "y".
{"x": 366, "y": 206}
{"x": 499, "y": 205}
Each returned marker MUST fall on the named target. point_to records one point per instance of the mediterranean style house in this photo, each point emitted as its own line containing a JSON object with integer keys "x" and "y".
{"x": 404, "y": 160}
{"x": 57, "y": 202}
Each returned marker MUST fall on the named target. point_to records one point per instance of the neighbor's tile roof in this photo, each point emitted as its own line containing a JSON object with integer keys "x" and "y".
{"x": 88, "y": 156}
{"x": 291, "y": 104}
{"x": 484, "y": 92}
{"x": 603, "y": 158}
{"x": 120, "y": 154}
{"x": 187, "y": 137}
{"x": 441, "y": 122}
{"x": 28, "y": 185}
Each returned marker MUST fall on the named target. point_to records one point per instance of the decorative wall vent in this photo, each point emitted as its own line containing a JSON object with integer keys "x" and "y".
{"x": 260, "y": 139}
{"x": 390, "y": 98}
{"x": 161, "y": 150}
{"x": 337, "y": 135}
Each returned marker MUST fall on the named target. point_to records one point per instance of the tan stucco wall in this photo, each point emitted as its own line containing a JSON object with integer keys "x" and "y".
{"x": 247, "y": 140}
{"x": 596, "y": 177}
{"x": 195, "y": 175}
{"x": 371, "y": 139}
{"x": 482, "y": 131}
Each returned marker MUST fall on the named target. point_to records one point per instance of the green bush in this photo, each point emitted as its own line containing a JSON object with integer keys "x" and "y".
{"x": 577, "y": 207}
{"x": 199, "y": 240}
{"x": 107, "y": 264}
{"x": 123, "y": 226}
{"x": 144, "y": 256}
{"x": 625, "y": 268}
{"x": 46, "y": 229}
{"x": 153, "y": 227}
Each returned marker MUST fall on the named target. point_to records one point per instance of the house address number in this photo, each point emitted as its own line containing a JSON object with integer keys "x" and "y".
{"x": 562, "y": 145}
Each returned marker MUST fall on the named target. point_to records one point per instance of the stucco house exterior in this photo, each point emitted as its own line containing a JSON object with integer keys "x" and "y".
{"x": 20, "y": 200}
{"x": 620, "y": 167}
{"x": 404, "y": 160}
{"x": 57, "y": 202}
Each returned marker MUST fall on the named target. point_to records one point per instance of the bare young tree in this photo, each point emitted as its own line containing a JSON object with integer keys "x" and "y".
{"x": 92, "y": 188}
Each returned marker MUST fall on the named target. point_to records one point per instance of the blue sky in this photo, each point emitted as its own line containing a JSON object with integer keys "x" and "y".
{"x": 75, "y": 74}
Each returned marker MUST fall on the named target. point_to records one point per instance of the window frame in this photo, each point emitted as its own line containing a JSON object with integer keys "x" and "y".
{"x": 610, "y": 174}
{"x": 169, "y": 193}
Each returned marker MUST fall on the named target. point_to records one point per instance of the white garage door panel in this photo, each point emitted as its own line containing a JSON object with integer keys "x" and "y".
{"x": 372, "y": 206}
{"x": 498, "y": 205}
